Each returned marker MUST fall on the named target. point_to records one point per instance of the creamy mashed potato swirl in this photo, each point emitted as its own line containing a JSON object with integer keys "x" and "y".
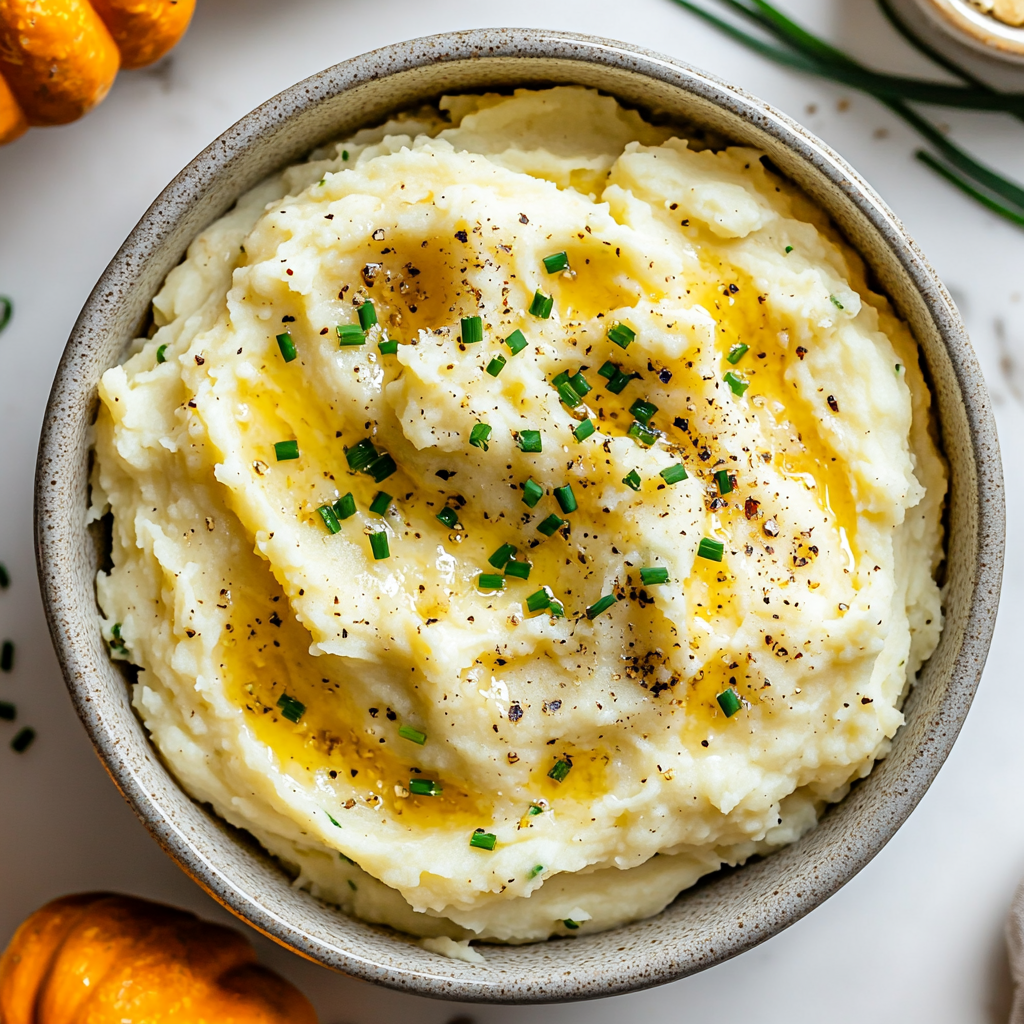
{"x": 520, "y": 636}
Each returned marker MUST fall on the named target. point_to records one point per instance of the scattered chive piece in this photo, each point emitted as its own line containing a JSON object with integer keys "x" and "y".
{"x": 710, "y": 549}
{"x": 367, "y": 315}
{"x": 448, "y": 516}
{"x": 535, "y": 871}
{"x": 116, "y": 642}
{"x": 737, "y": 352}
{"x": 481, "y": 840}
{"x": 496, "y": 365}
{"x": 291, "y": 708}
{"x": 583, "y": 430}
{"x": 330, "y": 817}
{"x": 551, "y": 525}
{"x": 567, "y": 393}
{"x": 608, "y": 370}
{"x": 5, "y": 579}
{"x": 6, "y": 309}
{"x": 286, "y": 450}
{"x": 644, "y": 434}
{"x": 518, "y": 570}
{"x": 345, "y": 506}
{"x": 360, "y": 455}
{"x": 530, "y": 441}
{"x": 7, "y": 711}
{"x": 407, "y": 732}
{"x": 534, "y": 810}
{"x": 736, "y": 384}
{"x": 565, "y": 498}
{"x": 472, "y": 330}
{"x": 673, "y": 474}
{"x": 632, "y": 480}
{"x": 330, "y": 518}
{"x": 579, "y": 383}
{"x": 379, "y": 545}
{"x": 542, "y": 305}
{"x": 643, "y": 410}
{"x": 556, "y": 609}
{"x": 23, "y": 740}
{"x": 835, "y": 302}
{"x": 898, "y": 368}
{"x": 618, "y": 383}
{"x": 569, "y": 923}
{"x": 380, "y": 503}
{"x": 556, "y": 262}
{"x": 490, "y": 581}
{"x": 161, "y": 354}
{"x": 789, "y": 249}
{"x": 537, "y": 602}
{"x": 501, "y": 557}
{"x": 652, "y": 577}
{"x": 424, "y": 787}
{"x": 478, "y": 436}
{"x": 285, "y": 344}
{"x": 381, "y": 468}
{"x": 723, "y": 481}
{"x": 350, "y": 334}
{"x": 601, "y": 605}
{"x": 388, "y": 347}
{"x": 347, "y": 860}
{"x": 344, "y": 156}
{"x": 561, "y": 378}
{"x": 561, "y": 768}
{"x": 729, "y": 702}
{"x": 532, "y": 492}
{"x": 7, "y": 654}
{"x": 516, "y": 341}
{"x": 621, "y": 335}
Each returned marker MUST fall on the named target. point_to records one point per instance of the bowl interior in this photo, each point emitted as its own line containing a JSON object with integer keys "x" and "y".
{"x": 734, "y": 910}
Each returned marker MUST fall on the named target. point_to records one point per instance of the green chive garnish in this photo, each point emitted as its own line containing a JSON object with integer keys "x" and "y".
{"x": 579, "y": 383}
{"x": 583, "y": 430}
{"x": 729, "y": 702}
{"x": 737, "y": 352}
{"x": 535, "y": 871}
{"x": 551, "y": 525}
{"x": 645, "y": 435}
{"x": 532, "y": 492}
{"x": 345, "y": 506}
{"x": 478, "y": 436}
{"x": 673, "y": 474}
{"x": 161, "y": 354}
{"x": 334, "y": 821}
{"x": 632, "y": 480}
{"x": 567, "y": 393}
{"x": 23, "y": 740}
{"x": 490, "y": 581}
{"x": 571, "y": 924}
{"x": 500, "y": 557}
{"x": 565, "y": 498}
{"x": 407, "y": 732}
{"x": 496, "y": 365}
{"x": 561, "y": 768}
{"x": 542, "y": 305}
{"x": 643, "y": 410}
{"x": 285, "y": 344}
{"x": 556, "y": 262}
{"x": 5, "y": 578}
{"x": 388, "y": 347}
{"x": 736, "y": 384}
{"x": 710, "y": 549}
{"x": 516, "y": 341}
{"x": 7, "y": 656}
{"x": 472, "y": 330}
{"x": 330, "y": 518}
{"x": 618, "y": 381}
{"x": 534, "y": 810}
{"x": 350, "y": 334}
{"x": 652, "y": 577}
{"x": 359, "y": 456}
{"x": 518, "y": 570}
{"x": 621, "y": 335}
{"x": 380, "y": 503}
{"x": 379, "y": 545}
{"x": 286, "y": 450}
{"x": 789, "y": 249}
{"x": 449, "y": 517}
{"x": 538, "y": 601}
{"x": 608, "y": 370}
{"x": 836, "y": 302}
{"x": 556, "y": 609}
{"x": 367, "y": 315}
{"x": 8, "y": 712}
{"x": 6, "y": 309}
{"x": 381, "y": 468}
{"x": 530, "y": 441}
{"x": 424, "y": 787}
{"x": 601, "y": 605}
{"x": 291, "y": 708}
{"x": 481, "y": 840}
{"x": 723, "y": 481}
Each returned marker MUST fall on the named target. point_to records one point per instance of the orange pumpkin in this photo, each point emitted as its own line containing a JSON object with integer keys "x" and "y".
{"x": 103, "y": 959}
{"x": 58, "y": 58}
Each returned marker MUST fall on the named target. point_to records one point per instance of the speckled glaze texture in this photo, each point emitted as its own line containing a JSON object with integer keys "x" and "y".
{"x": 732, "y": 911}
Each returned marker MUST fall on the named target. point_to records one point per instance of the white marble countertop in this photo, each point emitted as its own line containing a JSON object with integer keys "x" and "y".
{"x": 917, "y": 936}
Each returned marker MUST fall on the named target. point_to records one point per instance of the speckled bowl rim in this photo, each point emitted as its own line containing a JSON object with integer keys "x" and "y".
{"x": 976, "y": 29}
{"x": 708, "y": 924}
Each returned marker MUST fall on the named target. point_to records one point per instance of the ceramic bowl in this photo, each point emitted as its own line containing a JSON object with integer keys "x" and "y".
{"x": 731, "y": 911}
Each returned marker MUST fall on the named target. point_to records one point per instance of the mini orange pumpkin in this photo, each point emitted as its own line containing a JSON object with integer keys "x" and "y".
{"x": 97, "y": 958}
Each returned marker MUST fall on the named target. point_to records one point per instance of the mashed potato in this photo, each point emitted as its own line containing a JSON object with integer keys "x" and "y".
{"x": 516, "y": 626}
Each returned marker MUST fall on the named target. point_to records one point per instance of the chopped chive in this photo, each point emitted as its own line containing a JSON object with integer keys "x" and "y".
{"x": 556, "y": 609}
{"x": 569, "y": 923}
{"x": 551, "y": 525}
{"x": 541, "y": 305}
{"x": 534, "y": 810}
{"x": 478, "y": 436}
{"x": 643, "y": 410}
{"x": 652, "y": 577}
{"x": 539, "y": 600}
{"x": 287, "y": 346}
{"x": 330, "y": 518}
{"x": 789, "y": 249}
{"x": 561, "y": 378}
{"x": 367, "y": 315}
{"x": 388, "y": 347}
{"x": 579, "y": 383}
{"x": 360, "y": 455}
{"x": 710, "y": 549}
{"x": 561, "y": 769}
{"x": 608, "y": 371}
{"x": 736, "y": 384}
{"x": 737, "y": 352}
{"x": 583, "y": 430}
{"x": 530, "y": 441}
{"x": 673, "y": 474}
{"x": 380, "y": 503}
{"x": 161, "y": 354}
{"x": 116, "y": 642}
{"x": 536, "y": 870}
{"x": 286, "y": 450}
{"x": 345, "y": 506}
{"x": 632, "y": 480}
{"x": 532, "y": 492}
{"x": 898, "y": 368}
{"x": 518, "y": 570}
{"x": 5, "y": 578}
{"x": 472, "y": 330}
{"x": 6, "y": 309}
{"x": 481, "y": 840}
{"x": 424, "y": 787}
{"x": 618, "y": 383}
{"x": 334, "y": 821}
{"x": 291, "y": 708}
{"x": 490, "y": 581}
{"x": 379, "y": 545}
{"x": 567, "y": 393}
{"x": 621, "y": 335}
{"x": 724, "y": 481}
{"x": 556, "y": 262}
{"x": 407, "y": 732}
{"x": 8, "y": 712}
{"x": 729, "y": 702}
{"x": 23, "y": 740}
{"x": 645, "y": 435}
{"x": 565, "y": 498}
{"x": 601, "y": 605}
{"x": 500, "y": 557}
{"x": 381, "y": 468}
{"x": 350, "y": 334}
{"x": 7, "y": 654}
{"x": 448, "y": 516}
{"x": 516, "y": 341}
{"x": 835, "y": 302}
{"x": 496, "y": 365}
{"x": 344, "y": 154}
